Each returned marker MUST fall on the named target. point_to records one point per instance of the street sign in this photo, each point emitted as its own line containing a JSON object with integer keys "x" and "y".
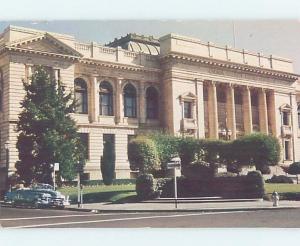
{"x": 56, "y": 166}
{"x": 172, "y": 165}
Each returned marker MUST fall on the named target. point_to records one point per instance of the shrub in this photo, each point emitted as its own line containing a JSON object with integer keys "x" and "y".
{"x": 264, "y": 169}
{"x": 255, "y": 184}
{"x": 145, "y": 188}
{"x": 280, "y": 179}
{"x": 142, "y": 154}
{"x": 294, "y": 169}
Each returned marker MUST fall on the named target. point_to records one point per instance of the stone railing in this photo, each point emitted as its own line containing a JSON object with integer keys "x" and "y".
{"x": 195, "y": 47}
{"x": 286, "y": 131}
{"x": 119, "y": 55}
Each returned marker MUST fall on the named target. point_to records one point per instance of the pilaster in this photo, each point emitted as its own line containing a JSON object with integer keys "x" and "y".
{"x": 200, "y": 108}
{"x": 213, "y": 111}
{"x": 119, "y": 101}
{"x": 230, "y": 109}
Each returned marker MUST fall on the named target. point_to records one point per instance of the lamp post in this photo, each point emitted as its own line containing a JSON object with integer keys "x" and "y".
{"x": 6, "y": 146}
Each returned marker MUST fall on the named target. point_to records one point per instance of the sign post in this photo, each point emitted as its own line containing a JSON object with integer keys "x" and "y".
{"x": 79, "y": 187}
{"x": 174, "y": 164}
{"x": 55, "y": 168}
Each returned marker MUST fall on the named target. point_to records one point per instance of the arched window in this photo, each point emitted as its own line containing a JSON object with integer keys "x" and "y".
{"x": 129, "y": 101}
{"x": 298, "y": 110}
{"x": 81, "y": 96}
{"x": 152, "y": 103}
{"x": 106, "y": 98}
{"x": 1, "y": 90}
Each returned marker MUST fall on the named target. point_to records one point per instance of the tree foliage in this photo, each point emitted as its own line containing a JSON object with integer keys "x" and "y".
{"x": 47, "y": 133}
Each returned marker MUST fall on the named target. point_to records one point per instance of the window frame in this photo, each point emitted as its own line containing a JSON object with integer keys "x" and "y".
{"x": 81, "y": 89}
{"x": 109, "y": 106}
{"x": 130, "y": 101}
{"x": 152, "y": 104}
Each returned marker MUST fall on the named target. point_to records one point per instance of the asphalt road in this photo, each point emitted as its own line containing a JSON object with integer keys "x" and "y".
{"x": 47, "y": 218}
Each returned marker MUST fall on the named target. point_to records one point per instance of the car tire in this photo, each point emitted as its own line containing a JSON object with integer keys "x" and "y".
{"x": 36, "y": 205}
{"x": 13, "y": 204}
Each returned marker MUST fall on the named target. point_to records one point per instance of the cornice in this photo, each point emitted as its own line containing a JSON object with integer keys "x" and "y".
{"x": 231, "y": 65}
{"x": 119, "y": 66}
{"x": 37, "y": 52}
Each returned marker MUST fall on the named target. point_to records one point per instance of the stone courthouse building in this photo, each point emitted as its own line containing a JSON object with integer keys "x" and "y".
{"x": 138, "y": 84}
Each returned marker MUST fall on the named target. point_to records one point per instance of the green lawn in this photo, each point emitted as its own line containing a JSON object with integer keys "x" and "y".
{"x": 102, "y": 193}
{"x": 282, "y": 188}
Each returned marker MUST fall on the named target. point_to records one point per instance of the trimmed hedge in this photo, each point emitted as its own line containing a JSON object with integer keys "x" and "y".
{"x": 142, "y": 155}
{"x": 146, "y": 153}
{"x": 280, "y": 179}
{"x": 246, "y": 186}
{"x": 99, "y": 182}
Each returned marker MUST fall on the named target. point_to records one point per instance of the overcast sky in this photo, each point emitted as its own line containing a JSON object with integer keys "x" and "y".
{"x": 277, "y": 37}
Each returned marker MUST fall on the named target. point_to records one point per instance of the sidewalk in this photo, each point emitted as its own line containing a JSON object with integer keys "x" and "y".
{"x": 184, "y": 207}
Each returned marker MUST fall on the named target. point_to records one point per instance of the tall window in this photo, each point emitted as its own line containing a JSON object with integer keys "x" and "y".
{"x": 239, "y": 118}
{"x": 81, "y": 96}
{"x": 188, "y": 110}
{"x": 129, "y": 101}
{"x": 255, "y": 110}
{"x": 106, "y": 98}
{"x": 285, "y": 118}
{"x": 221, "y": 103}
{"x": 298, "y": 110}
{"x": 1, "y": 90}
{"x": 84, "y": 137}
{"x": 152, "y": 103}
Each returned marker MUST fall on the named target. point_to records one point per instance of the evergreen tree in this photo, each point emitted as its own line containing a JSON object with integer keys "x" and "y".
{"x": 108, "y": 163}
{"x": 47, "y": 133}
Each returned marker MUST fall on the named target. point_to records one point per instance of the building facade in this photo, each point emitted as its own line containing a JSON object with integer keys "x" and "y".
{"x": 136, "y": 85}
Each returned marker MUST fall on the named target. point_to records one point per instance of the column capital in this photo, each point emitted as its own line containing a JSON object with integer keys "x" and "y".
{"x": 199, "y": 80}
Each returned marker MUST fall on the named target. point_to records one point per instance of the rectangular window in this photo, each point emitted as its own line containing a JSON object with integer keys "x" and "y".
{"x": 285, "y": 119}
{"x": 85, "y": 141}
{"x": 187, "y": 110}
{"x": 287, "y": 150}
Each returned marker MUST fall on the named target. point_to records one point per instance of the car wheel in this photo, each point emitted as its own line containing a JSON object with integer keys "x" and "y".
{"x": 36, "y": 204}
{"x": 13, "y": 204}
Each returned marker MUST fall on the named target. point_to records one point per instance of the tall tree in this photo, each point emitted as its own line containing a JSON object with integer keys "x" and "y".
{"x": 47, "y": 133}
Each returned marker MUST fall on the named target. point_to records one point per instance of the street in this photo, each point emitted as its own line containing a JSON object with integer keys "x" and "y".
{"x": 48, "y": 218}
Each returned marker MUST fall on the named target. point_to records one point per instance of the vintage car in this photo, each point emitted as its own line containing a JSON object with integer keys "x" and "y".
{"x": 37, "y": 196}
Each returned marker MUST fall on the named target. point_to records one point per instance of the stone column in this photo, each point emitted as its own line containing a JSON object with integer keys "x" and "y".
{"x": 29, "y": 72}
{"x": 56, "y": 75}
{"x": 119, "y": 112}
{"x": 263, "y": 111}
{"x": 200, "y": 108}
{"x": 213, "y": 111}
{"x": 94, "y": 99}
{"x": 230, "y": 109}
{"x": 141, "y": 103}
{"x": 272, "y": 112}
{"x": 247, "y": 110}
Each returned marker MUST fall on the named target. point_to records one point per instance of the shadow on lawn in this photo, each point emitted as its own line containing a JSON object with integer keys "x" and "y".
{"x": 123, "y": 196}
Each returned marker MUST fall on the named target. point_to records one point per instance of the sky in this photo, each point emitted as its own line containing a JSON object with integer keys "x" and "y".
{"x": 277, "y": 37}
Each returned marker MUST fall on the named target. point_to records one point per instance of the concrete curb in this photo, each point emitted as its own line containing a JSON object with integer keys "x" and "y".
{"x": 177, "y": 210}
